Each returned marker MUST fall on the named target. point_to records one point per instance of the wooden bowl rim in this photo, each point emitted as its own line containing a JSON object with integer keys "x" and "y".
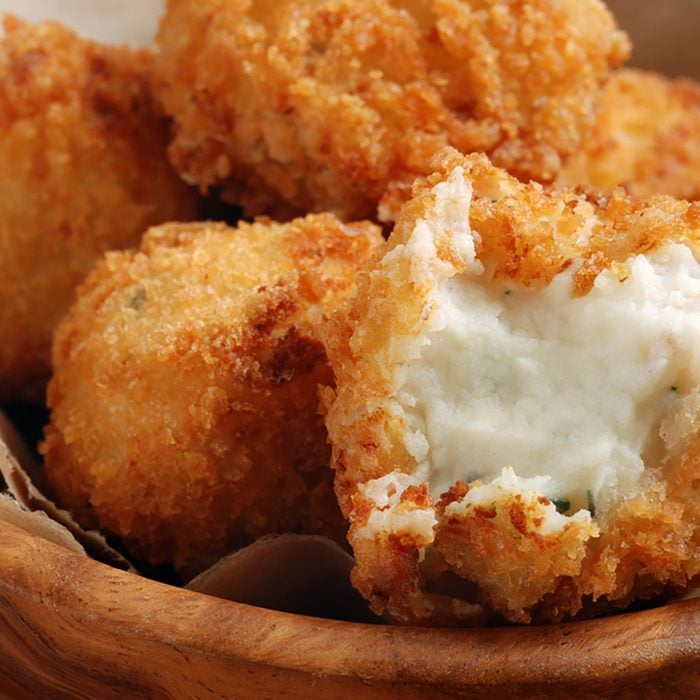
{"x": 662, "y": 637}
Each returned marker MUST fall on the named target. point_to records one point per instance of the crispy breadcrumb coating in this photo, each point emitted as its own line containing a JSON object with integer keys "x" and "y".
{"x": 518, "y": 550}
{"x": 646, "y": 138}
{"x": 83, "y": 169}
{"x": 318, "y": 105}
{"x": 184, "y": 406}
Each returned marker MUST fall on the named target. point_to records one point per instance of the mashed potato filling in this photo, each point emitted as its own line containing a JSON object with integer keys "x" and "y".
{"x": 549, "y": 384}
{"x": 500, "y": 492}
{"x": 392, "y": 513}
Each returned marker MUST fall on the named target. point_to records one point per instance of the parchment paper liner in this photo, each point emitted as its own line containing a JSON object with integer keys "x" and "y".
{"x": 302, "y": 574}
{"x": 16, "y": 465}
{"x": 37, "y": 523}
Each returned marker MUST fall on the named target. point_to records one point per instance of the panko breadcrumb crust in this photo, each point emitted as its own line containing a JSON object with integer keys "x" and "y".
{"x": 646, "y": 138}
{"x": 505, "y": 562}
{"x": 315, "y": 105}
{"x": 83, "y": 168}
{"x": 184, "y": 404}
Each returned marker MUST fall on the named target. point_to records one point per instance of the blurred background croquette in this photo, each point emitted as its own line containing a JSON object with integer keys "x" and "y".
{"x": 184, "y": 404}
{"x": 315, "y": 105}
{"x": 646, "y": 138}
{"x": 83, "y": 169}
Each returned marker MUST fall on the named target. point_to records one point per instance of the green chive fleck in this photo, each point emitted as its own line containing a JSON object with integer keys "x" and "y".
{"x": 591, "y": 503}
{"x": 138, "y": 299}
{"x": 561, "y": 504}
{"x": 508, "y": 292}
{"x": 674, "y": 389}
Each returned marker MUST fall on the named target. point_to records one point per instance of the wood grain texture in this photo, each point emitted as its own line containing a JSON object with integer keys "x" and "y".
{"x": 73, "y": 628}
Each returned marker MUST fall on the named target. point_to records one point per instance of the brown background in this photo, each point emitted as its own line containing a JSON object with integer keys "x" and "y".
{"x": 665, "y": 33}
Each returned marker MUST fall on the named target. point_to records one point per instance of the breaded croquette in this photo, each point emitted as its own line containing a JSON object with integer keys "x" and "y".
{"x": 184, "y": 404}
{"x": 83, "y": 169}
{"x": 646, "y": 138}
{"x": 321, "y": 105}
{"x": 517, "y": 400}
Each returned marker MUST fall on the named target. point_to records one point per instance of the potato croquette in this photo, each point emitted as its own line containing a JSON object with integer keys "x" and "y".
{"x": 184, "y": 404}
{"x": 646, "y": 138}
{"x": 320, "y": 105}
{"x": 517, "y": 402}
{"x": 83, "y": 168}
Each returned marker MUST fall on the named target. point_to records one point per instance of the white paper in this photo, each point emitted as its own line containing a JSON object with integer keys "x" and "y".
{"x": 132, "y": 22}
{"x": 17, "y": 466}
{"x": 37, "y": 523}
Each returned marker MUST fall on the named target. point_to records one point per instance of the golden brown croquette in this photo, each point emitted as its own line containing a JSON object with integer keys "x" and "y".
{"x": 184, "y": 406}
{"x": 83, "y": 169}
{"x": 517, "y": 400}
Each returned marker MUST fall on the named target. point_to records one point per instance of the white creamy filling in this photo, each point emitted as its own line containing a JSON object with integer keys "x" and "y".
{"x": 504, "y": 487}
{"x": 391, "y": 516}
{"x": 550, "y": 384}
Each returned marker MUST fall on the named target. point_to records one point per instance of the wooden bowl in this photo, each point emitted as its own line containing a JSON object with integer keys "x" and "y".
{"x": 74, "y": 628}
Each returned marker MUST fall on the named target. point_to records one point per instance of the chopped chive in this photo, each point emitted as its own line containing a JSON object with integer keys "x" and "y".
{"x": 138, "y": 299}
{"x": 591, "y": 503}
{"x": 561, "y": 504}
{"x": 508, "y": 292}
{"x": 674, "y": 389}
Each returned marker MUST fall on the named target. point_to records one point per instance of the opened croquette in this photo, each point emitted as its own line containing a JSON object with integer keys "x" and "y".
{"x": 518, "y": 388}
{"x": 184, "y": 407}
